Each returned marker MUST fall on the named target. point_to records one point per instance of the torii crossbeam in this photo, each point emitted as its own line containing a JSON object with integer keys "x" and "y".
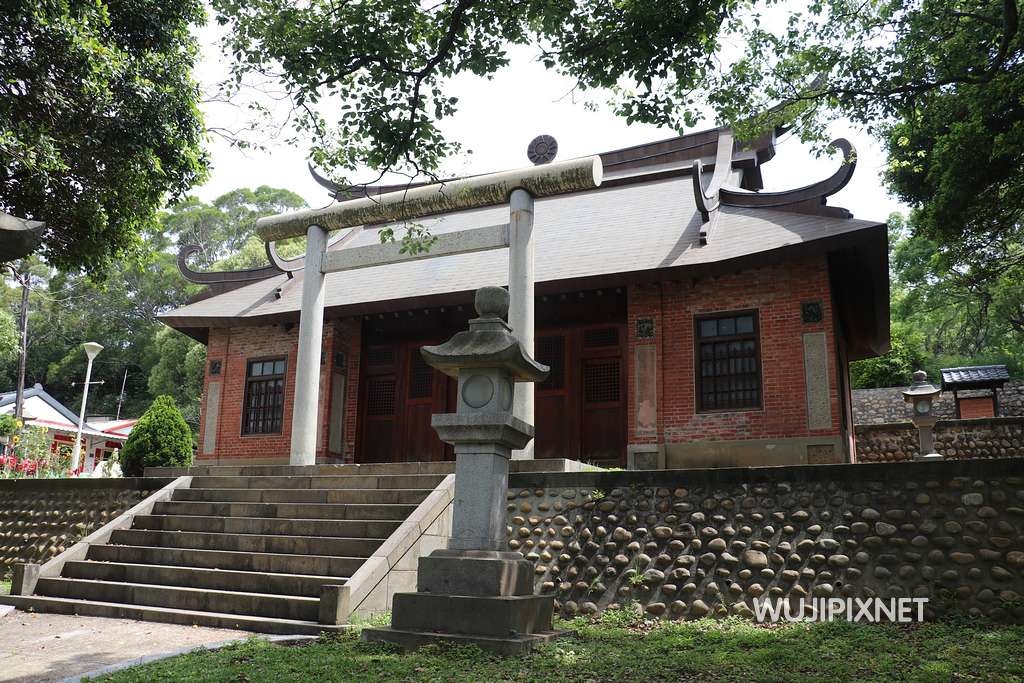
{"x": 519, "y": 188}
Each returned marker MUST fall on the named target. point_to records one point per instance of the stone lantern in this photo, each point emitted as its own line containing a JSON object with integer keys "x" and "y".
{"x": 921, "y": 396}
{"x": 474, "y": 591}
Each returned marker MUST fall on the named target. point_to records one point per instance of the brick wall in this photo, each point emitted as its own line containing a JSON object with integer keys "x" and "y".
{"x": 234, "y": 347}
{"x": 776, "y": 292}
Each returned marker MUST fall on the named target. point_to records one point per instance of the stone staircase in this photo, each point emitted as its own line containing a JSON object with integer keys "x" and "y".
{"x": 242, "y": 547}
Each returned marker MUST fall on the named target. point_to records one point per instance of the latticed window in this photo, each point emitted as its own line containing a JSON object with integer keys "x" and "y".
{"x": 421, "y": 376}
{"x": 264, "y": 397}
{"x": 728, "y": 362}
{"x": 551, "y": 352}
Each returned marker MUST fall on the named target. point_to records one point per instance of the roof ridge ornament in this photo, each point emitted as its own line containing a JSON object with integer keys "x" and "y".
{"x": 707, "y": 199}
{"x": 542, "y": 150}
{"x": 735, "y": 196}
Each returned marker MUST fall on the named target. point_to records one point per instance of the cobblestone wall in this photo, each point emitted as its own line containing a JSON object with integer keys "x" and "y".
{"x": 883, "y": 406}
{"x": 959, "y": 439}
{"x": 686, "y": 544}
{"x": 40, "y": 518}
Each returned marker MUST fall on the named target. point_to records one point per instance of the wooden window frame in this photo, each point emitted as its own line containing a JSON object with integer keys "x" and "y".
{"x": 697, "y": 375}
{"x": 249, "y": 381}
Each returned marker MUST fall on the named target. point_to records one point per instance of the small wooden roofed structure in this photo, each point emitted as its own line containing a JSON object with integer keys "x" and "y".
{"x": 975, "y": 378}
{"x": 654, "y": 217}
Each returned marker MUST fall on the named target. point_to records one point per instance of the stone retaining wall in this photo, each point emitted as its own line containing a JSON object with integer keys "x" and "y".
{"x": 998, "y": 437}
{"x": 886, "y": 405}
{"x": 40, "y": 518}
{"x": 685, "y": 544}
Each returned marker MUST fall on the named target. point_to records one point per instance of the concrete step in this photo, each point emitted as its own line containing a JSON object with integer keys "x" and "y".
{"x": 166, "y": 615}
{"x": 248, "y": 543}
{"x": 192, "y": 577}
{"x": 316, "y": 565}
{"x": 341, "y": 528}
{"x": 352, "y": 481}
{"x": 336, "y": 496}
{"x": 192, "y": 599}
{"x": 443, "y": 467}
{"x": 247, "y": 468}
{"x": 386, "y": 512}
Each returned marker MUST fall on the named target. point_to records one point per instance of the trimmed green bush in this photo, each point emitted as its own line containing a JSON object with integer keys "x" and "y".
{"x": 161, "y": 438}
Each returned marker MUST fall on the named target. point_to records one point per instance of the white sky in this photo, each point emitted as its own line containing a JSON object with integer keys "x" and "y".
{"x": 498, "y": 118}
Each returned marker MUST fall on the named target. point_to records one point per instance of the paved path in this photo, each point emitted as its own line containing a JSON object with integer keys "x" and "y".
{"x": 49, "y": 647}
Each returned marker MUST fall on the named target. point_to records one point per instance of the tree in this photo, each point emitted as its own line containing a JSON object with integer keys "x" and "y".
{"x": 122, "y": 310}
{"x": 9, "y": 343}
{"x": 159, "y": 439}
{"x": 368, "y": 81}
{"x": 99, "y": 120}
{"x": 940, "y": 82}
{"x": 179, "y": 372}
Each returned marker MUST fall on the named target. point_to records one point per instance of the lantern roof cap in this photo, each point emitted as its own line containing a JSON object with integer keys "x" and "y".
{"x": 920, "y": 387}
{"x": 488, "y": 343}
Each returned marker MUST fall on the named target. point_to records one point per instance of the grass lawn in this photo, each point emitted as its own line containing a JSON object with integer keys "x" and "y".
{"x": 618, "y": 648}
{"x": 5, "y": 586}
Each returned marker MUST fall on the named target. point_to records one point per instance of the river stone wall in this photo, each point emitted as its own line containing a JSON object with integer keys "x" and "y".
{"x": 884, "y": 406}
{"x": 686, "y": 544}
{"x": 40, "y": 518}
{"x": 998, "y": 437}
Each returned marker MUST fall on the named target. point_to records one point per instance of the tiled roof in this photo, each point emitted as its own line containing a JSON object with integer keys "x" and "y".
{"x": 977, "y": 375}
{"x": 641, "y": 226}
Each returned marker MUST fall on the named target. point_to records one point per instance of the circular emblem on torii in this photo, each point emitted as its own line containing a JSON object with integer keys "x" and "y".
{"x": 542, "y": 150}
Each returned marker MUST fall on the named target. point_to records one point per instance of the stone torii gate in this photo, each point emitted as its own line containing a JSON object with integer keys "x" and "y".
{"x": 518, "y": 188}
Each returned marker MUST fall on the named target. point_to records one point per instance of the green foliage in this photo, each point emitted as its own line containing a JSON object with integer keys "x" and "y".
{"x": 938, "y": 82}
{"x": 179, "y": 371}
{"x": 99, "y": 120}
{"x": 122, "y": 310}
{"x": 8, "y": 337}
{"x": 8, "y": 424}
{"x": 160, "y": 438}
{"x": 626, "y": 648}
{"x": 386, "y": 67}
{"x": 942, "y": 316}
{"x": 906, "y": 355}
{"x": 224, "y": 227}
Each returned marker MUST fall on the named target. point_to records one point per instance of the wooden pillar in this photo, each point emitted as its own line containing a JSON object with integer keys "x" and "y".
{"x": 307, "y": 364}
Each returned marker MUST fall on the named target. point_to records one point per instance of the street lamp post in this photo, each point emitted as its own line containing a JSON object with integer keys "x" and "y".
{"x": 92, "y": 349}
{"x": 921, "y": 396}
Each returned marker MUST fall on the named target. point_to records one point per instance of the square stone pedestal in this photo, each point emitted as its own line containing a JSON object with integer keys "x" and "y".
{"x": 477, "y": 597}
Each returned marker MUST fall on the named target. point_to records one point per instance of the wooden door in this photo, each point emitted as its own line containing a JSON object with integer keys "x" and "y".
{"x": 581, "y": 407}
{"x": 603, "y": 396}
{"x": 425, "y": 394}
{"x": 399, "y": 394}
{"x": 378, "y": 405}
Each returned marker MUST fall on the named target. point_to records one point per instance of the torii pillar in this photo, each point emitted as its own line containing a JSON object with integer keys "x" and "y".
{"x": 518, "y": 188}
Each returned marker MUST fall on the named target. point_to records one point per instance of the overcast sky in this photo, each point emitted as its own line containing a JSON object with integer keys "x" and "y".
{"x": 498, "y": 118}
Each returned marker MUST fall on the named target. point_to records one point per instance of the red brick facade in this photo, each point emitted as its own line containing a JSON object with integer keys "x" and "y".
{"x": 775, "y": 292}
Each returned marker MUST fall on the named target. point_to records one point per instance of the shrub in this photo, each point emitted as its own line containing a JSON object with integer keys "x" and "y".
{"x": 160, "y": 438}
{"x": 8, "y": 425}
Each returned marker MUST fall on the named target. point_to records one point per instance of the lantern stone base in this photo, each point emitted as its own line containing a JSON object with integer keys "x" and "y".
{"x": 487, "y": 600}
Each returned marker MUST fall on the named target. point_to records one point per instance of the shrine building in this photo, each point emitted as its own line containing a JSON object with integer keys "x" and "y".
{"x": 689, "y": 320}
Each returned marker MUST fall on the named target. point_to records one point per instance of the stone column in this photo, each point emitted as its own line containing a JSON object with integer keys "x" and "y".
{"x": 474, "y": 592}
{"x": 307, "y": 363}
{"x": 521, "y": 306}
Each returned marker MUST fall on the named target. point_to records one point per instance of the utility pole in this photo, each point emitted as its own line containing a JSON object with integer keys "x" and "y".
{"x": 24, "y": 278}
{"x": 120, "y": 397}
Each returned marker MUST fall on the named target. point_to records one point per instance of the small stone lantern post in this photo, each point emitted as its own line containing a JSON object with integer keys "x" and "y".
{"x": 921, "y": 396}
{"x": 474, "y": 591}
